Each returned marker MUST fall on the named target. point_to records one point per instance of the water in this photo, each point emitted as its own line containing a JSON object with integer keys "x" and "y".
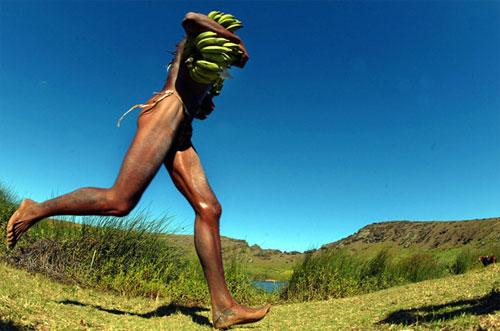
{"x": 269, "y": 286}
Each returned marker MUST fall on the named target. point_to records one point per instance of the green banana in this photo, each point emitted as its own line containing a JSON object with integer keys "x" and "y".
{"x": 213, "y": 55}
{"x": 205, "y": 42}
{"x": 215, "y": 49}
{"x": 231, "y": 22}
{"x": 221, "y": 41}
{"x": 204, "y": 35}
{"x": 206, "y": 74}
{"x": 216, "y": 17}
{"x": 213, "y": 13}
{"x": 231, "y": 45}
{"x": 228, "y": 21}
{"x": 235, "y": 52}
{"x": 213, "y": 41}
{"x": 211, "y": 66}
{"x": 221, "y": 59}
{"x": 197, "y": 78}
{"x": 224, "y": 17}
{"x": 234, "y": 27}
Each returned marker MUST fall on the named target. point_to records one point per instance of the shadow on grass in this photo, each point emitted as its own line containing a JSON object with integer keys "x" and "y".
{"x": 478, "y": 306}
{"x": 161, "y": 311}
{"x": 11, "y": 326}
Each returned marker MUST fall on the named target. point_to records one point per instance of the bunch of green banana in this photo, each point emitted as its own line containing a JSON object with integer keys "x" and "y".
{"x": 214, "y": 56}
{"x": 226, "y": 20}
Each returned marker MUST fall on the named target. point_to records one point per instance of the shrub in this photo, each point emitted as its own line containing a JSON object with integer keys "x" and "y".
{"x": 324, "y": 275}
{"x": 419, "y": 266}
{"x": 463, "y": 262}
{"x": 336, "y": 273}
{"x": 376, "y": 272}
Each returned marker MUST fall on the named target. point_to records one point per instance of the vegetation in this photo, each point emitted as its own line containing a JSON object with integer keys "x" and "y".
{"x": 124, "y": 255}
{"x": 137, "y": 267}
{"x": 463, "y": 302}
{"x": 338, "y": 272}
{"x": 424, "y": 235}
{"x": 257, "y": 263}
{"x": 7, "y": 207}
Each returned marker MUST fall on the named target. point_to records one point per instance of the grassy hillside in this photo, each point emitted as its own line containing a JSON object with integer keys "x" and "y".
{"x": 464, "y": 302}
{"x": 399, "y": 236}
{"x": 444, "y": 239}
{"x": 402, "y": 237}
{"x": 425, "y": 235}
{"x": 259, "y": 263}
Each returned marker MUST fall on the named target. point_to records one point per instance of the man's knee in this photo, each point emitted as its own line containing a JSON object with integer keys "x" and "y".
{"x": 121, "y": 209}
{"x": 119, "y": 204}
{"x": 210, "y": 210}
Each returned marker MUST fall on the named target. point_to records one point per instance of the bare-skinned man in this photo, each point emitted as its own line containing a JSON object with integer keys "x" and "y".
{"x": 163, "y": 137}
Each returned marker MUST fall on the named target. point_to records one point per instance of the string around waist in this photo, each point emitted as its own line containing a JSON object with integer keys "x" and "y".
{"x": 165, "y": 93}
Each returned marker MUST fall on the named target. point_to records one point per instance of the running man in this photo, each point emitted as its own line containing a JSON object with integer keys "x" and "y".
{"x": 163, "y": 137}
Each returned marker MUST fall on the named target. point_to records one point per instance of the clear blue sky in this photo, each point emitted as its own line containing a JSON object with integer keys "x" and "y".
{"x": 346, "y": 114}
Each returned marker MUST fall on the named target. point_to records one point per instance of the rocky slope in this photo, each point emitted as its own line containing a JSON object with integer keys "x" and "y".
{"x": 431, "y": 234}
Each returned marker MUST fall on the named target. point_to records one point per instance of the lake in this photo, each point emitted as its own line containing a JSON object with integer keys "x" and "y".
{"x": 269, "y": 286}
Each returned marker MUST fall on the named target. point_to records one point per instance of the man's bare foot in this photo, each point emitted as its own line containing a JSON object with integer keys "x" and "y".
{"x": 19, "y": 223}
{"x": 239, "y": 315}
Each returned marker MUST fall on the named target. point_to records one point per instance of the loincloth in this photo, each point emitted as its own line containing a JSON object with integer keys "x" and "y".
{"x": 148, "y": 106}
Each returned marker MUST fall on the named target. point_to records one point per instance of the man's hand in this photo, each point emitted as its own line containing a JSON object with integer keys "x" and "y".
{"x": 243, "y": 58}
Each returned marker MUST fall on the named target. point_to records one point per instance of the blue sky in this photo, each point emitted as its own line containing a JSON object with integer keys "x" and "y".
{"x": 346, "y": 114}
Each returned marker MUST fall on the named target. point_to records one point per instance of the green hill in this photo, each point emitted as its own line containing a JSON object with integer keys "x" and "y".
{"x": 429, "y": 235}
{"x": 465, "y": 302}
{"x": 274, "y": 264}
{"x": 426, "y": 235}
{"x": 259, "y": 263}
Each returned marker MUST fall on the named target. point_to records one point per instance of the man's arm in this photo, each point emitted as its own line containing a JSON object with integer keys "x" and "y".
{"x": 194, "y": 24}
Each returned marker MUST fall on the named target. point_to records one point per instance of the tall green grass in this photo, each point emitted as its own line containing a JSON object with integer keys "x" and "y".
{"x": 321, "y": 275}
{"x": 130, "y": 256}
{"x": 125, "y": 255}
{"x": 7, "y": 207}
{"x": 336, "y": 273}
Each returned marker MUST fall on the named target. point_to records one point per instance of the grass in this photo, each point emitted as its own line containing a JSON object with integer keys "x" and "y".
{"x": 7, "y": 207}
{"x": 339, "y": 272}
{"x": 258, "y": 264}
{"x": 130, "y": 257}
{"x": 110, "y": 253}
{"x": 124, "y": 255}
{"x": 463, "y": 302}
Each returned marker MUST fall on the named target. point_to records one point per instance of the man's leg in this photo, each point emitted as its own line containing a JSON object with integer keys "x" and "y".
{"x": 188, "y": 176}
{"x": 153, "y": 139}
